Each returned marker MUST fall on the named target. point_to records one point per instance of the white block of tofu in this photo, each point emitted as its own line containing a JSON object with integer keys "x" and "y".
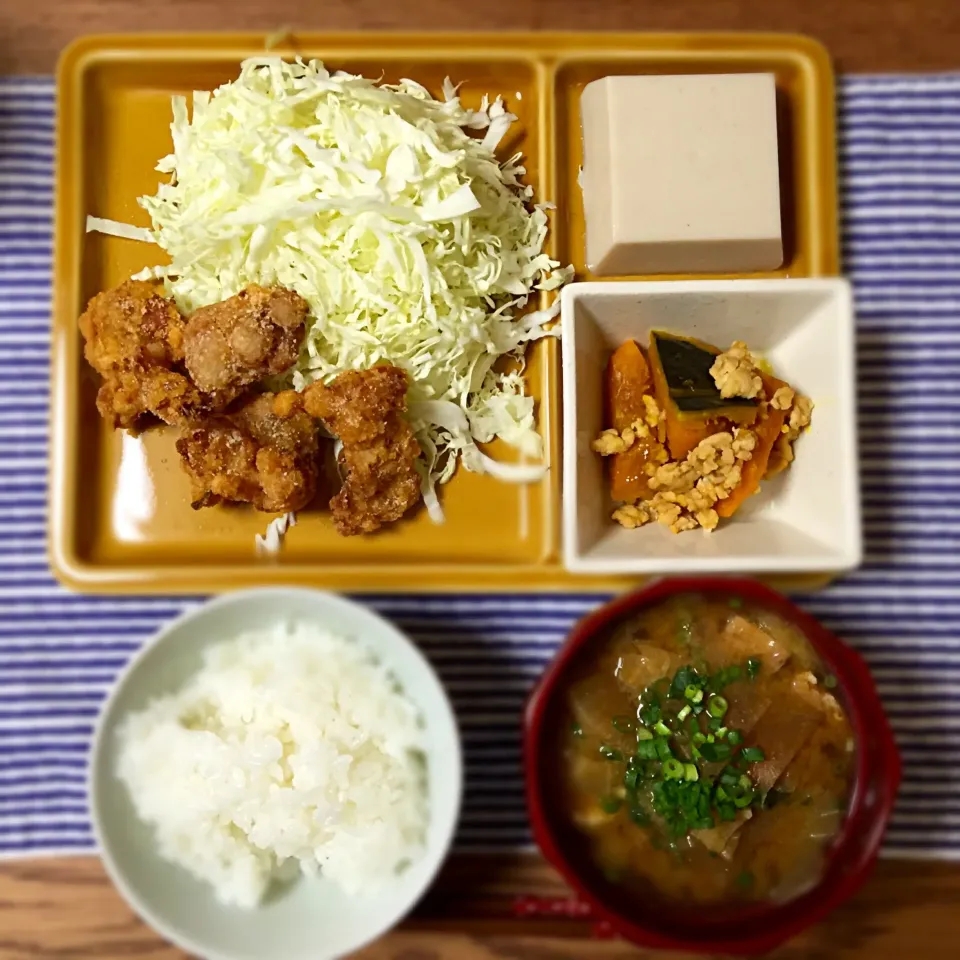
{"x": 680, "y": 174}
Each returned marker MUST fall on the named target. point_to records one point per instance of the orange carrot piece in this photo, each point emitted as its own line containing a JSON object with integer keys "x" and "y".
{"x": 628, "y": 379}
{"x": 767, "y": 431}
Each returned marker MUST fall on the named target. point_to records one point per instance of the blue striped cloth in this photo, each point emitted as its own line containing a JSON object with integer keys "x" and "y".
{"x": 900, "y": 147}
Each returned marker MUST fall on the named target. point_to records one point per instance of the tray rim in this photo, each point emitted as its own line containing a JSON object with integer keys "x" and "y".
{"x": 557, "y": 48}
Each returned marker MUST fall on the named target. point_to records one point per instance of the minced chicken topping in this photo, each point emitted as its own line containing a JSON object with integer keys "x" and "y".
{"x": 686, "y": 491}
{"x": 783, "y": 398}
{"x": 800, "y": 416}
{"x": 736, "y": 374}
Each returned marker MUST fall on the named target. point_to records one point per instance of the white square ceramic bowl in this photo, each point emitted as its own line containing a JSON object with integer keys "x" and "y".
{"x": 807, "y": 519}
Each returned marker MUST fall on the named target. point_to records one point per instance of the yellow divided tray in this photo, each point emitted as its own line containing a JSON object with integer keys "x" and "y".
{"x": 120, "y": 513}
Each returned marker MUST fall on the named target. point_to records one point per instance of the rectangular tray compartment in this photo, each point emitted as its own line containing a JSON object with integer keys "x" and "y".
{"x": 120, "y": 517}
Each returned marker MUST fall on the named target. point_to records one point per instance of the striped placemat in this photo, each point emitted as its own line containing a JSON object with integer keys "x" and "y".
{"x": 900, "y": 146}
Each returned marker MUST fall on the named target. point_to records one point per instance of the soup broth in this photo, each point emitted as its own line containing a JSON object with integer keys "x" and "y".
{"x": 703, "y": 756}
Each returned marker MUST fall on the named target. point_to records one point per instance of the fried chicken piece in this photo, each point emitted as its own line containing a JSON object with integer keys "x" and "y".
{"x": 364, "y": 408}
{"x": 252, "y": 456}
{"x": 235, "y": 343}
{"x": 134, "y": 339}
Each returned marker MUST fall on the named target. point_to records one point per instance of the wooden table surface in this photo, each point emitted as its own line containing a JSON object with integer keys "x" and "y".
{"x": 490, "y": 907}
{"x": 874, "y": 35}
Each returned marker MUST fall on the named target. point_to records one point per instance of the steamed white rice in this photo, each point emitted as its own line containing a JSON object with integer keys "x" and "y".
{"x": 290, "y": 746}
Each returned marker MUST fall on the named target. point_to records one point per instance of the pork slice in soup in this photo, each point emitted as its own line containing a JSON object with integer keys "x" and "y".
{"x": 703, "y": 757}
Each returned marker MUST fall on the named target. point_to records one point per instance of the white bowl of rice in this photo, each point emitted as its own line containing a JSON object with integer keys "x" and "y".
{"x": 277, "y": 774}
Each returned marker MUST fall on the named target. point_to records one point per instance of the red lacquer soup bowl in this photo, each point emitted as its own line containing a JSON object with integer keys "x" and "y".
{"x": 749, "y": 929}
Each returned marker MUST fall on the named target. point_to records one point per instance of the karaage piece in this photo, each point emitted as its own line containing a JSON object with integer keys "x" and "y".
{"x": 252, "y": 456}
{"x": 235, "y": 343}
{"x": 365, "y": 408}
{"x": 134, "y": 339}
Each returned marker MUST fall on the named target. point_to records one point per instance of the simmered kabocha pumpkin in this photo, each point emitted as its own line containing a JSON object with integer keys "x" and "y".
{"x": 694, "y": 430}
{"x": 688, "y": 395}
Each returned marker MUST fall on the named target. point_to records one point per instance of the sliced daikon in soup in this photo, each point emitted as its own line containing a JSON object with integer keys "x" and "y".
{"x": 598, "y": 783}
{"x": 644, "y": 665}
{"x": 721, "y": 838}
{"x": 780, "y": 733}
{"x": 742, "y": 640}
{"x": 590, "y": 701}
{"x": 747, "y": 705}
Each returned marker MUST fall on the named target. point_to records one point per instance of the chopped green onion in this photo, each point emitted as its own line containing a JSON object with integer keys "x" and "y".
{"x": 745, "y": 782}
{"x": 728, "y": 777}
{"x": 753, "y": 667}
{"x": 735, "y": 738}
{"x": 663, "y": 749}
{"x": 684, "y": 713}
{"x": 829, "y": 681}
{"x": 683, "y": 679}
{"x": 693, "y": 694}
{"x": 690, "y": 772}
{"x": 722, "y": 794}
{"x": 644, "y": 734}
{"x": 714, "y": 724}
{"x": 727, "y": 812}
{"x": 672, "y": 769}
{"x": 662, "y": 729}
{"x": 717, "y": 706}
{"x": 725, "y": 676}
{"x": 610, "y": 753}
{"x": 715, "y": 752}
{"x": 743, "y": 801}
{"x": 722, "y": 733}
{"x": 704, "y": 823}
{"x": 647, "y": 749}
{"x": 753, "y": 754}
{"x": 610, "y": 804}
{"x": 699, "y": 738}
{"x": 648, "y": 714}
{"x": 631, "y": 777}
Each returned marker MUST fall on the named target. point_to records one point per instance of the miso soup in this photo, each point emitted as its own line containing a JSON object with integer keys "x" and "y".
{"x": 703, "y": 756}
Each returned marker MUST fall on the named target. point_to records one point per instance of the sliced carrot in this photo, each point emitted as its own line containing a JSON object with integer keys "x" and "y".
{"x": 628, "y": 475}
{"x": 767, "y": 431}
{"x": 628, "y": 379}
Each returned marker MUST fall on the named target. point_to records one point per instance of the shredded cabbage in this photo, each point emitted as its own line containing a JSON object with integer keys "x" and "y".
{"x": 410, "y": 241}
{"x": 271, "y": 540}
